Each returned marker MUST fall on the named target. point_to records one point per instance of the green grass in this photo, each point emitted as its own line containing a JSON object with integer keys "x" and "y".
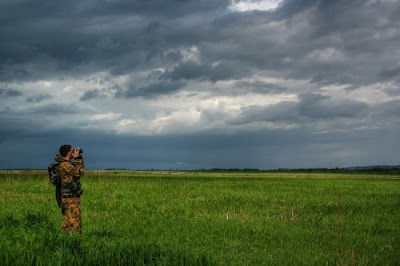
{"x": 202, "y": 218}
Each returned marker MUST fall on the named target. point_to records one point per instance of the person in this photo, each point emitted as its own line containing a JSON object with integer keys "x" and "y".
{"x": 71, "y": 191}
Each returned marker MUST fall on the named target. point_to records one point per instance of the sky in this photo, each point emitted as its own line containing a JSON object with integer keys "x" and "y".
{"x": 181, "y": 84}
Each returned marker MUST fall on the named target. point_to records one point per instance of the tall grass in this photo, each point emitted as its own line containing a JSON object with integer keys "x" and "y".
{"x": 167, "y": 218}
{"x": 40, "y": 243}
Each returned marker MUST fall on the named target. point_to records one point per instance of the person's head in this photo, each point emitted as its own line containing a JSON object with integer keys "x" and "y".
{"x": 65, "y": 150}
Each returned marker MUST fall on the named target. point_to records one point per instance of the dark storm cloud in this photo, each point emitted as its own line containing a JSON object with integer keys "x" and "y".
{"x": 16, "y": 126}
{"x": 88, "y": 95}
{"x": 48, "y": 110}
{"x": 123, "y": 36}
{"x": 192, "y": 70}
{"x": 55, "y": 109}
{"x": 310, "y": 107}
{"x": 326, "y": 41}
{"x": 188, "y": 70}
{"x": 263, "y": 149}
{"x": 322, "y": 107}
{"x": 78, "y": 38}
{"x": 39, "y": 98}
{"x": 260, "y": 87}
{"x": 9, "y": 93}
{"x": 229, "y": 70}
{"x": 150, "y": 91}
{"x": 281, "y": 112}
{"x": 391, "y": 72}
{"x": 389, "y": 109}
{"x": 357, "y": 29}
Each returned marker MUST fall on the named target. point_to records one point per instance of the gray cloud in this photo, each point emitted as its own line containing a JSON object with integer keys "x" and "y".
{"x": 132, "y": 36}
{"x": 393, "y": 91}
{"x": 321, "y": 107}
{"x": 9, "y": 93}
{"x": 188, "y": 70}
{"x": 310, "y": 107}
{"x": 48, "y": 110}
{"x": 88, "y": 95}
{"x": 281, "y": 112}
{"x": 260, "y": 87}
{"x": 192, "y": 70}
{"x": 389, "y": 109}
{"x": 151, "y": 90}
{"x": 137, "y": 36}
{"x": 391, "y": 72}
{"x": 54, "y": 109}
{"x": 39, "y": 98}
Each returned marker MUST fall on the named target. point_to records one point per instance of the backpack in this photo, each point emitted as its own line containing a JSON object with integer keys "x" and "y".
{"x": 55, "y": 179}
{"x": 54, "y": 174}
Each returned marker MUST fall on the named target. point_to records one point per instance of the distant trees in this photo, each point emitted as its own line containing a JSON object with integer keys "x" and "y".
{"x": 370, "y": 169}
{"x": 389, "y": 169}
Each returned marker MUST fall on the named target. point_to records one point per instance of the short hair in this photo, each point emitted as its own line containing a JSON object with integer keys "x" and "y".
{"x": 64, "y": 149}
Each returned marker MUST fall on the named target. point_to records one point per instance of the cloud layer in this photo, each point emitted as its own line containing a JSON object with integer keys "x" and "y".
{"x": 308, "y": 75}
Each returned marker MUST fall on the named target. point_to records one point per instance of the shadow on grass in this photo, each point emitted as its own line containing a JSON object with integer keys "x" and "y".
{"x": 38, "y": 221}
{"x": 9, "y": 221}
{"x": 34, "y": 240}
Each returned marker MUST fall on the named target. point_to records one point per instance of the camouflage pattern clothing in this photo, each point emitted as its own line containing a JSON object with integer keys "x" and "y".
{"x": 71, "y": 191}
{"x": 70, "y": 173}
{"x": 71, "y": 210}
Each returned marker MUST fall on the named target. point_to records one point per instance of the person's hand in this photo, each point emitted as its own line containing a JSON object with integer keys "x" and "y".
{"x": 75, "y": 153}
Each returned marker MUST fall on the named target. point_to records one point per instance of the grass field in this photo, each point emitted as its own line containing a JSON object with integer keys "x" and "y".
{"x": 202, "y": 218}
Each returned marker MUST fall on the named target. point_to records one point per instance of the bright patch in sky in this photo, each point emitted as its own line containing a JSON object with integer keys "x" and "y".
{"x": 264, "y": 5}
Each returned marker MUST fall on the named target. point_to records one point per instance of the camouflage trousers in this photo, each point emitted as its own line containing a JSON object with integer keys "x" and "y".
{"x": 71, "y": 212}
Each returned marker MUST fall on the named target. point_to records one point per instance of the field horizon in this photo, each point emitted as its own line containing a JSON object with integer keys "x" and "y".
{"x": 365, "y": 168}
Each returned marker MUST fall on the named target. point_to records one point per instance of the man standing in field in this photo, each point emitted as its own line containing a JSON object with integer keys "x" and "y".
{"x": 71, "y": 191}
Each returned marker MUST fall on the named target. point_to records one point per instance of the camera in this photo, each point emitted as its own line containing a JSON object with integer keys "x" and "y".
{"x": 79, "y": 149}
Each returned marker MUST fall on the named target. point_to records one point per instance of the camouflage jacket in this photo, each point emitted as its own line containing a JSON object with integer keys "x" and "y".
{"x": 70, "y": 173}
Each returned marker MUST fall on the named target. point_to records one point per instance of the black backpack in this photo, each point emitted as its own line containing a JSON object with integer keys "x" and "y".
{"x": 54, "y": 174}
{"x": 55, "y": 179}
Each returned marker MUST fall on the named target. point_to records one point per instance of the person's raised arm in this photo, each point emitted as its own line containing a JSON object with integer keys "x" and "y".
{"x": 77, "y": 168}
